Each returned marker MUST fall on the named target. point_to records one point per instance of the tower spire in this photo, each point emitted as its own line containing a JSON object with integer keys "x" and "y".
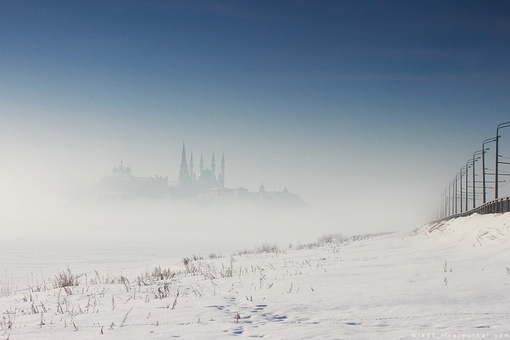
{"x": 183, "y": 172}
{"x": 213, "y": 167}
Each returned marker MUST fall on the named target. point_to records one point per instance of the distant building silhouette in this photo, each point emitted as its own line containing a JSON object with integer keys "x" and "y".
{"x": 123, "y": 184}
{"x": 191, "y": 184}
{"x": 204, "y": 186}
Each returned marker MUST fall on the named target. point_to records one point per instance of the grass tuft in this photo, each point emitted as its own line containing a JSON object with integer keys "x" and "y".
{"x": 65, "y": 279}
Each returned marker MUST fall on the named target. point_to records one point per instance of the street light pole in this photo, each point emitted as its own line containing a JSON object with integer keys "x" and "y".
{"x": 500, "y": 126}
{"x": 474, "y": 175}
{"x": 467, "y": 186}
{"x": 488, "y": 140}
{"x": 456, "y": 193}
{"x": 449, "y": 199}
{"x": 461, "y": 169}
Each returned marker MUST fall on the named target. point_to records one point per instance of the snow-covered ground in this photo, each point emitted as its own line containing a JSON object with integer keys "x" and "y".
{"x": 448, "y": 280}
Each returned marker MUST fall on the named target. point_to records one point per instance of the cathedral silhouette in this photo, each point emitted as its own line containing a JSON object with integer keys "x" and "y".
{"x": 205, "y": 180}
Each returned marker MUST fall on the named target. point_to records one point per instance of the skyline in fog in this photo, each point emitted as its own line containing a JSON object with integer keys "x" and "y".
{"x": 347, "y": 103}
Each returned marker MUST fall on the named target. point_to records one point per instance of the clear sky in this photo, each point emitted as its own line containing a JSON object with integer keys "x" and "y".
{"x": 348, "y": 103}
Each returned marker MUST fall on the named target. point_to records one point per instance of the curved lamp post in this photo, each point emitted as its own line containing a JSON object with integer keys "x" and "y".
{"x": 467, "y": 176}
{"x": 488, "y": 140}
{"x": 455, "y": 193}
{"x": 474, "y": 175}
{"x": 461, "y": 169}
{"x": 500, "y": 126}
{"x": 450, "y": 205}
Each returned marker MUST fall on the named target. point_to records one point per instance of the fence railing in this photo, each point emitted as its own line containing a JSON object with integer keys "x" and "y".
{"x": 501, "y": 205}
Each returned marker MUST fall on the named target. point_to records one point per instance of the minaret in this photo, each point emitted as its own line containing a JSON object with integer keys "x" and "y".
{"x": 222, "y": 182}
{"x": 183, "y": 172}
{"x": 191, "y": 171}
{"x": 201, "y": 164}
{"x": 213, "y": 167}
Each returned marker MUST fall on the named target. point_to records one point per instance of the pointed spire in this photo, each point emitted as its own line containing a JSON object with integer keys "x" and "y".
{"x": 183, "y": 172}
{"x": 183, "y": 155}
{"x": 213, "y": 167}
{"x": 191, "y": 165}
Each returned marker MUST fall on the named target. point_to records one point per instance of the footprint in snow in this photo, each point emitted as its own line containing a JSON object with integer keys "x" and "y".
{"x": 279, "y": 317}
{"x": 258, "y": 308}
{"x": 238, "y": 331}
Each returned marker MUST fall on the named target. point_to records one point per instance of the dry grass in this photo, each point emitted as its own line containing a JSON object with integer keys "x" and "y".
{"x": 65, "y": 279}
{"x": 8, "y": 287}
{"x": 337, "y": 239}
{"x": 265, "y": 248}
{"x": 330, "y": 238}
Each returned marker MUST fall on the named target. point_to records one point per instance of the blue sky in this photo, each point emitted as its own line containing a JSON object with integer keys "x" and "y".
{"x": 335, "y": 99}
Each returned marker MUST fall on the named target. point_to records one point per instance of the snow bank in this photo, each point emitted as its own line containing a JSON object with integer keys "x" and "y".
{"x": 474, "y": 227}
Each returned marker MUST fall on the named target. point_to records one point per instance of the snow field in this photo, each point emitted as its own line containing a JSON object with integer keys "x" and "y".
{"x": 444, "y": 281}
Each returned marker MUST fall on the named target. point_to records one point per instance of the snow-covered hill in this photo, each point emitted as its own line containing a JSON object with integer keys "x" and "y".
{"x": 442, "y": 281}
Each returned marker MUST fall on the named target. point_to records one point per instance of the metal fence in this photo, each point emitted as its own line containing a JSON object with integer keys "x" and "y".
{"x": 462, "y": 190}
{"x": 501, "y": 205}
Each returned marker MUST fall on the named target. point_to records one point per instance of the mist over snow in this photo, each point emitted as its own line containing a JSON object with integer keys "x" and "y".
{"x": 49, "y": 186}
{"x": 192, "y": 223}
